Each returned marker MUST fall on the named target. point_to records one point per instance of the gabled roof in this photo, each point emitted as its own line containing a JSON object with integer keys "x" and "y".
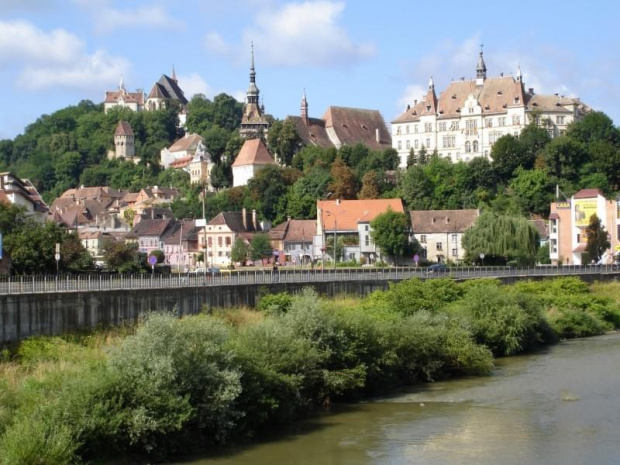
{"x": 588, "y": 194}
{"x": 180, "y": 232}
{"x": 155, "y": 228}
{"x": 181, "y": 162}
{"x": 356, "y": 125}
{"x": 348, "y": 213}
{"x": 442, "y": 221}
{"x": 185, "y": 143}
{"x": 254, "y": 152}
{"x": 167, "y": 87}
{"x": 551, "y": 103}
{"x": 294, "y": 231}
{"x": 93, "y": 193}
{"x": 123, "y": 128}
{"x": 313, "y": 133}
{"x": 235, "y": 221}
{"x": 160, "y": 192}
{"x": 113, "y": 96}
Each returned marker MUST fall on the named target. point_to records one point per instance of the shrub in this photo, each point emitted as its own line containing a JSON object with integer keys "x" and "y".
{"x": 570, "y": 323}
{"x": 275, "y": 303}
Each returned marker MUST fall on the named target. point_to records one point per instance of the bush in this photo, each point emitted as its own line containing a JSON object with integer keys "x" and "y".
{"x": 275, "y": 303}
{"x": 570, "y": 323}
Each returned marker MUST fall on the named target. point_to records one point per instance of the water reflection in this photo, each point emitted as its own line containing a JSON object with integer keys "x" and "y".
{"x": 561, "y": 406}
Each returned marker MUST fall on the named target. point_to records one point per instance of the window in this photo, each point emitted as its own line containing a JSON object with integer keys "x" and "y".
{"x": 415, "y": 128}
{"x": 219, "y": 241}
{"x": 516, "y": 120}
{"x": 366, "y": 241}
{"x": 428, "y": 143}
{"x": 439, "y": 245}
{"x": 228, "y": 241}
{"x": 366, "y": 228}
{"x": 210, "y": 242}
{"x": 454, "y": 126}
{"x": 449, "y": 141}
{"x": 455, "y": 237}
{"x": 554, "y": 227}
{"x": 400, "y": 145}
{"x": 475, "y": 146}
{"x": 428, "y": 127}
{"x": 501, "y": 121}
{"x": 415, "y": 143}
{"x": 219, "y": 254}
{"x": 442, "y": 126}
{"x": 471, "y": 124}
{"x": 559, "y": 119}
{"x": 407, "y": 129}
{"x": 455, "y": 253}
{"x": 407, "y": 144}
{"x": 423, "y": 238}
{"x": 489, "y": 122}
{"x": 467, "y": 147}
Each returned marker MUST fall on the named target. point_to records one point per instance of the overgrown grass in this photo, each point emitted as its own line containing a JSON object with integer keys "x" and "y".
{"x": 169, "y": 385}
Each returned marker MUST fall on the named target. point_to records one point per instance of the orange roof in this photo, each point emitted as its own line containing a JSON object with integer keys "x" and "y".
{"x": 181, "y": 162}
{"x": 254, "y": 152}
{"x": 187, "y": 142}
{"x": 348, "y": 213}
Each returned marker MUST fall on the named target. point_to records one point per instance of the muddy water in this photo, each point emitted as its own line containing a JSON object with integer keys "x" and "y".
{"x": 561, "y": 406}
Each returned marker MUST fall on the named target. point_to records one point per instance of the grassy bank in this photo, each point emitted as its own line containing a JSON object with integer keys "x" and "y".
{"x": 172, "y": 385}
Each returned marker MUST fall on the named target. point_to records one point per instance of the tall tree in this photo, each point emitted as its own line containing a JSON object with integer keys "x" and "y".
{"x": 371, "y": 186}
{"x": 343, "y": 185}
{"x": 260, "y": 247}
{"x": 507, "y": 155}
{"x": 239, "y": 251}
{"x": 284, "y": 141}
{"x": 390, "y": 232}
{"x": 598, "y": 241}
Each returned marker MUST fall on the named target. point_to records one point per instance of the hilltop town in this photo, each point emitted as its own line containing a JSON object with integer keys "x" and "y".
{"x": 216, "y": 183}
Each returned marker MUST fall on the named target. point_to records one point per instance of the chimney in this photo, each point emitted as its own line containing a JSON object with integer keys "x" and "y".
{"x": 244, "y": 218}
{"x": 377, "y": 135}
{"x": 531, "y": 90}
{"x": 254, "y": 222}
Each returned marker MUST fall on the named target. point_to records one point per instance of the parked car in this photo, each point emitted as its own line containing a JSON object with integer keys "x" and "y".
{"x": 213, "y": 270}
{"x": 198, "y": 271}
{"x": 437, "y": 268}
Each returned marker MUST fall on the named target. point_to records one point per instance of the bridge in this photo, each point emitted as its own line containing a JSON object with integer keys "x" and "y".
{"x": 38, "y": 305}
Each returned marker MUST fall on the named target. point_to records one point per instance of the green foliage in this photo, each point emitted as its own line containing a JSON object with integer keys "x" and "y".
{"x": 598, "y": 242}
{"x": 499, "y": 235}
{"x": 239, "y": 251}
{"x": 275, "y": 303}
{"x": 260, "y": 247}
{"x": 344, "y": 184}
{"x": 284, "y": 141}
{"x": 390, "y": 232}
{"x": 123, "y": 257}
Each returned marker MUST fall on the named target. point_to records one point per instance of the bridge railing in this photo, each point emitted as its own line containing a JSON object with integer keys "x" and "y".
{"x": 40, "y": 284}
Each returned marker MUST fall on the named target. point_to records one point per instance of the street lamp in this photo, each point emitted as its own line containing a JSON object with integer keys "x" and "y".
{"x": 335, "y": 215}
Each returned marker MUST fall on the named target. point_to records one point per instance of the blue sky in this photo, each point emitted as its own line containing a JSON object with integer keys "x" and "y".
{"x": 374, "y": 55}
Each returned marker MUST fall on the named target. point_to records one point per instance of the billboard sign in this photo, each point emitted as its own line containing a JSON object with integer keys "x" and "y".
{"x": 584, "y": 209}
{"x": 562, "y": 205}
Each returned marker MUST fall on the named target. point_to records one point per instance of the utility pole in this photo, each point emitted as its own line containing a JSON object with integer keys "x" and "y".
{"x": 204, "y": 218}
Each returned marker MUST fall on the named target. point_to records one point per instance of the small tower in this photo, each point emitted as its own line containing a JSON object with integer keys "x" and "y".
{"x": 481, "y": 69}
{"x": 174, "y": 75}
{"x": 304, "y": 109}
{"x": 519, "y": 75}
{"x": 253, "y": 121}
{"x": 124, "y": 141}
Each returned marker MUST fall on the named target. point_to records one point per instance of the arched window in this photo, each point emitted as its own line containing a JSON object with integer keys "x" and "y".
{"x": 475, "y": 146}
{"x": 467, "y": 146}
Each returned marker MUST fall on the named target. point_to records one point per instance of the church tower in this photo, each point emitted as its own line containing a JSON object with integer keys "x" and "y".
{"x": 124, "y": 141}
{"x": 304, "y": 109}
{"x": 253, "y": 122}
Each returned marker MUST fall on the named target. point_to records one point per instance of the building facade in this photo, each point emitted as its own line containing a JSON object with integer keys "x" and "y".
{"x": 440, "y": 233}
{"x": 568, "y": 221}
{"x": 292, "y": 240}
{"x": 253, "y": 122}
{"x": 470, "y": 115}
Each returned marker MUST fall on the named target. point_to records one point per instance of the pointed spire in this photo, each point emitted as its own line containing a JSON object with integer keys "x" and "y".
{"x": 121, "y": 85}
{"x": 481, "y": 69}
{"x": 519, "y": 75}
{"x": 304, "y": 108}
{"x": 253, "y": 92}
{"x": 174, "y": 74}
{"x": 431, "y": 84}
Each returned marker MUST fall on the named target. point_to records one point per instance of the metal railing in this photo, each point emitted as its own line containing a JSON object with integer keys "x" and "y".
{"x": 110, "y": 282}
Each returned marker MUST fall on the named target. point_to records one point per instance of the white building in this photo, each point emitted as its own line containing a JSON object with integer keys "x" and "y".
{"x": 440, "y": 232}
{"x": 21, "y": 192}
{"x": 253, "y": 157}
{"x": 470, "y": 115}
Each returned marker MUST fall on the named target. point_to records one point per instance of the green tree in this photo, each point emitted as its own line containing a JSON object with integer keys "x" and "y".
{"x": 563, "y": 158}
{"x": 532, "y": 140}
{"x": 284, "y": 141}
{"x": 268, "y": 190}
{"x": 390, "y": 232}
{"x": 532, "y": 191}
{"x": 371, "y": 186}
{"x": 598, "y": 241}
{"x": 507, "y": 155}
{"x": 594, "y": 126}
{"x": 123, "y": 257}
{"x": 512, "y": 238}
{"x": 260, "y": 247}
{"x": 239, "y": 251}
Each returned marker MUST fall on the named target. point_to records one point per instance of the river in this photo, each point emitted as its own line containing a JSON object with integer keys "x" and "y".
{"x": 560, "y": 406}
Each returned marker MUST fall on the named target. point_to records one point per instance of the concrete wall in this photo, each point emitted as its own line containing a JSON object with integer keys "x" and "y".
{"x": 49, "y": 314}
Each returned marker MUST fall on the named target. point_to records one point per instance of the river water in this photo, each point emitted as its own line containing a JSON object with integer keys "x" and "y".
{"x": 560, "y": 406}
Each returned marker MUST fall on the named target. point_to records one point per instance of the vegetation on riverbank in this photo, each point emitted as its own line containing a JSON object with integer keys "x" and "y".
{"x": 173, "y": 385}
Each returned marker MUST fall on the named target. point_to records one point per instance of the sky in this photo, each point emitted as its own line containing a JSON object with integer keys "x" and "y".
{"x": 362, "y": 54}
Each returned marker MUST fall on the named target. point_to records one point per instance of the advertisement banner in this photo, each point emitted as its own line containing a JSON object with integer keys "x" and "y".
{"x": 584, "y": 209}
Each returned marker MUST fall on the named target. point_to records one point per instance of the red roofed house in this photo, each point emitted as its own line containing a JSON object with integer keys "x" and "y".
{"x": 121, "y": 98}
{"x": 440, "y": 232}
{"x": 252, "y": 158}
{"x": 569, "y": 219}
{"x": 123, "y": 142}
{"x": 350, "y": 219}
{"x": 184, "y": 148}
{"x": 293, "y": 241}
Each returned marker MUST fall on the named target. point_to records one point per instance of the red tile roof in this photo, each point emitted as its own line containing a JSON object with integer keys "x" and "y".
{"x": 254, "y": 152}
{"x": 442, "y": 221}
{"x": 348, "y": 213}
{"x": 123, "y": 128}
{"x": 587, "y": 194}
{"x": 187, "y": 142}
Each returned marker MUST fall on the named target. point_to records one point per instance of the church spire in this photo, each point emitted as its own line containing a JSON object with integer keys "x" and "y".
{"x": 519, "y": 75}
{"x": 253, "y": 92}
{"x": 304, "y": 108}
{"x": 481, "y": 69}
{"x": 431, "y": 84}
{"x": 174, "y": 74}
{"x": 121, "y": 85}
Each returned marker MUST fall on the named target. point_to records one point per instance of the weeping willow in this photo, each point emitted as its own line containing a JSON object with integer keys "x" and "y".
{"x": 504, "y": 236}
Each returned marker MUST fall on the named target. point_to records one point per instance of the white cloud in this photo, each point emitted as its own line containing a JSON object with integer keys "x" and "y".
{"x": 194, "y": 84}
{"x": 411, "y": 93}
{"x": 216, "y": 43}
{"x": 306, "y": 33}
{"x": 55, "y": 59}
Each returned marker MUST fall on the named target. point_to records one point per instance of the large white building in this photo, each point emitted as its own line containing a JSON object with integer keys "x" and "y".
{"x": 470, "y": 115}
